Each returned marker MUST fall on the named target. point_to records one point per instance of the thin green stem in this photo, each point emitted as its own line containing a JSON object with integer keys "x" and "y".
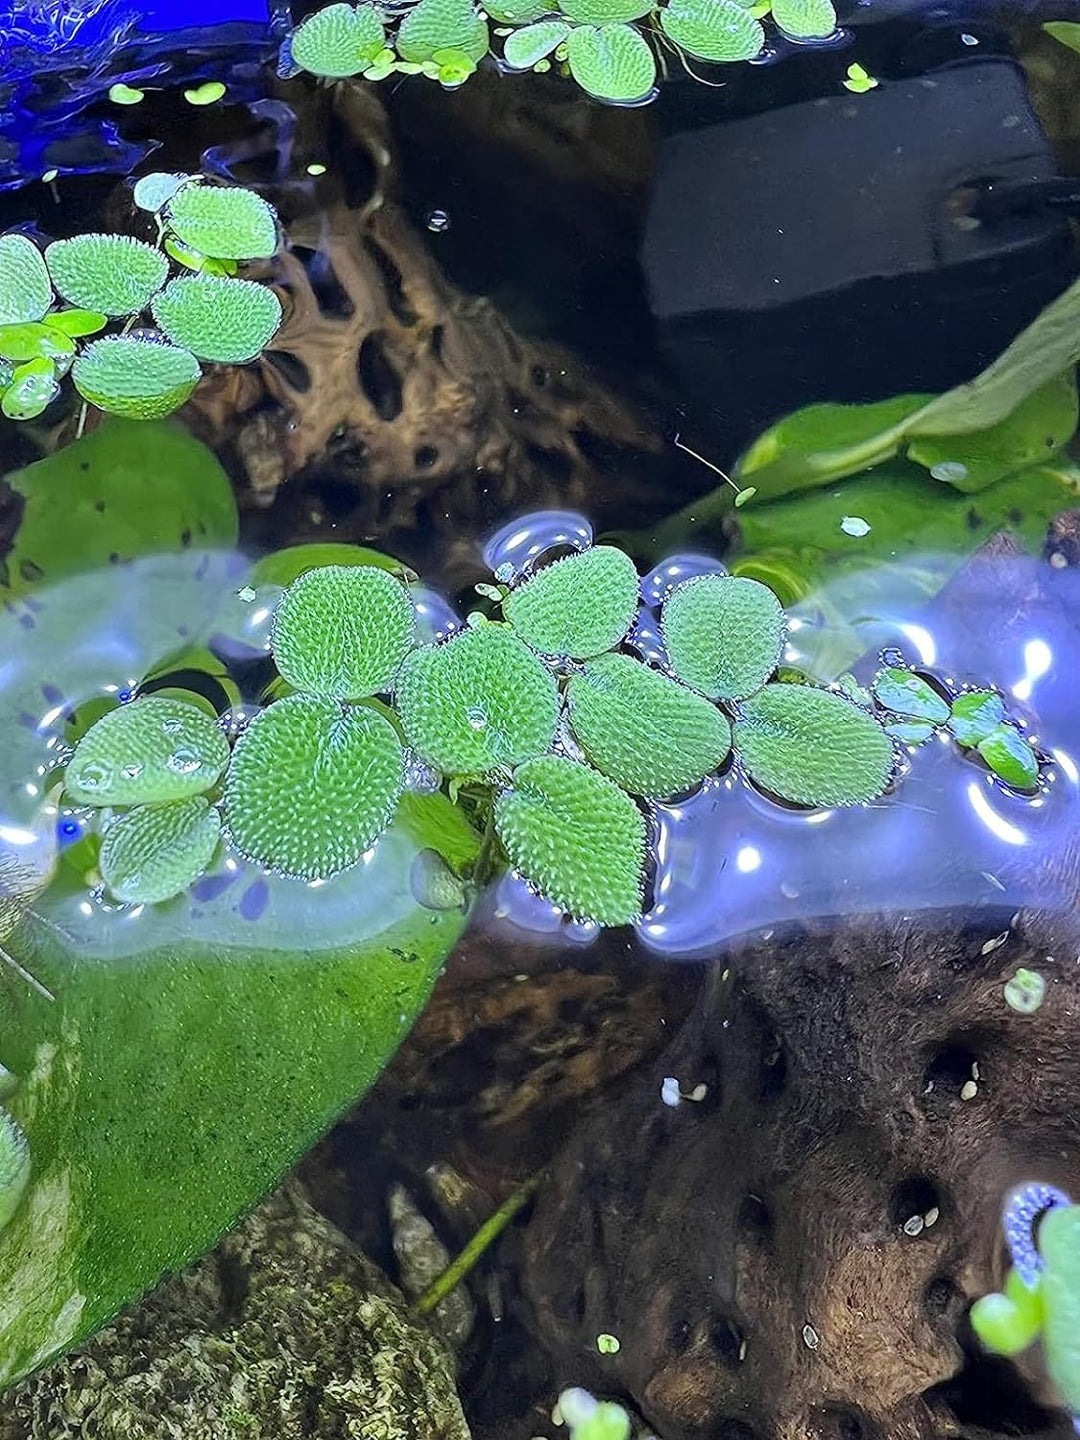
{"x": 491, "y": 1229}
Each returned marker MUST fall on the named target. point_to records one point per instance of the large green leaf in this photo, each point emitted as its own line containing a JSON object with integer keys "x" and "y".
{"x": 224, "y": 221}
{"x": 337, "y": 41}
{"x": 717, "y": 30}
{"x": 218, "y": 318}
{"x": 612, "y": 63}
{"x": 605, "y": 12}
{"x": 436, "y": 25}
{"x": 805, "y": 19}
{"x": 25, "y": 290}
{"x": 529, "y": 45}
{"x": 138, "y": 376}
{"x": 110, "y": 273}
{"x": 578, "y": 606}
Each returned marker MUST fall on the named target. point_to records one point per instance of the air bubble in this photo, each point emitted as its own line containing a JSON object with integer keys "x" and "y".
{"x": 183, "y": 762}
{"x": 951, "y": 471}
{"x": 131, "y": 772}
{"x": 94, "y": 776}
{"x": 438, "y": 222}
{"x": 476, "y": 718}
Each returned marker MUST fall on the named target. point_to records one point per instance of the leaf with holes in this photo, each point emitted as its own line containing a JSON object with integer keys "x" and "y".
{"x": 135, "y": 376}
{"x": 576, "y": 836}
{"x": 579, "y": 606}
{"x": 228, "y": 321}
{"x": 25, "y": 289}
{"x": 905, "y": 693}
{"x": 434, "y": 25}
{"x": 110, "y": 273}
{"x": 1011, "y": 758}
{"x": 611, "y": 63}
{"x": 149, "y": 750}
{"x": 646, "y": 732}
{"x": 723, "y": 634}
{"x": 976, "y": 715}
{"x": 312, "y": 785}
{"x": 805, "y": 19}
{"x": 32, "y": 388}
{"x": 717, "y": 30}
{"x": 343, "y": 631}
{"x": 224, "y": 221}
{"x": 154, "y": 852}
{"x": 605, "y": 12}
{"x": 812, "y": 747}
{"x": 478, "y": 701}
{"x": 339, "y": 41}
{"x": 526, "y": 47}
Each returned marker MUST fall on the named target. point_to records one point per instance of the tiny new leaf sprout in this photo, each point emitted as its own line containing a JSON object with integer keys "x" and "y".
{"x": 576, "y": 836}
{"x": 342, "y": 631}
{"x": 975, "y": 715}
{"x": 579, "y": 606}
{"x": 154, "y": 191}
{"x": 805, "y": 19}
{"x": 717, "y": 30}
{"x": 312, "y": 785}
{"x": 121, "y": 94}
{"x": 114, "y": 274}
{"x": 34, "y": 341}
{"x": 139, "y": 376}
{"x": 528, "y": 46}
{"x": 1008, "y": 1321}
{"x": 646, "y": 732}
{"x": 229, "y": 321}
{"x": 723, "y": 634}
{"x": 154, "y": 852}
{"x": 150, "y": 750}
{"x": 224, "y": 221}
{"x": 337, "y": 42}
{"x": 859, "y": 80}
{"x": 436, "y": 25}
{"x": 611, "y": 63}
{"x": 1011, "y": 758}
{"x": 76, "y": 323}
{"x": 906, "y": 693}
{"x": 25, "y": 289}
{"x": 209, "y": 93}
{"x": 14, "y": 1166}
{"x": 478, "y": 701}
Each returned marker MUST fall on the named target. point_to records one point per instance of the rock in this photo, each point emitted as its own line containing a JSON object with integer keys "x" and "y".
{"x": 284, "y": 1332}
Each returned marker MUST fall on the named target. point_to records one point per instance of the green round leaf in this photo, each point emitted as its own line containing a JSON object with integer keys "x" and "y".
{"x": 975, "y": 716}
{"x": 34, "y": 341}
{"x": 209, "y": 93}
{"x": 718, "y": 30}
{"x": 111, "y": 273}
{"x": 529, "y": 45}
{"x": 646, "y": 732}
{"x": 724, "y": 634}
{"x": 338, "y": 41}
{"x": 905, "y": 693}
{"x": 154, "y": 852}
{"x": 1004, "y": 1326}
{"x": 76, "y": 323}
{"x": 812, "y": 747}
{"x": 578, "y": 606}
{"x": 605, "y": 12}
{"x": 223, "y": 221}
{"x": 135, "y": 376}
{"x": 434, "y": 25}
{"x": 343, "y": 631}
{"x": 611, "y": 63}
{"x": 1011, "y": 757}
{"x": 14, "y": 1166}
{"x": 121, "y": 94}
{"x": 575, "y": 836}
{"x": 312, "y": 785}
{"x": 229, "y": 321}
{"x": 148, "y": 750}
{"x": 25, "y": 290}
{"x": 478, "y": 701}
{"x": 805, "y": 19}
{"x": 32, "y": 388}
{"x": 1059, "y": 1245}
{"x": 153, "y": 192}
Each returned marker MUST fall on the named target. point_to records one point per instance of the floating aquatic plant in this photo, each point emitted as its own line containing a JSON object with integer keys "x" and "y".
{"x": 216, "y": 318}
{"x": 717, "y": 30}
{"x": 222, "y": 220}
{"x": 528, "y": 46}
{"x": 139, "y": 376}
{"x": 25, "y": 289}
{"x": 906, "y": 693}
{"x": 339, "y": 41}
{"x": 14, "y": 1166}
{"x": 149, "y": 750}
{"x": 154, "y": 191}
{"x": 433, "y": 26}
{"x": 723, "y": 634}
{"x": 1011, "y": 757}
{"x": 154, "y": 852}
{"x": 805, "y": 19}
{"x": 975, "y": 715}
{"x": 612, "y": 62}
{"x": 114, "y": 274}
{"x": 579, "y": 606}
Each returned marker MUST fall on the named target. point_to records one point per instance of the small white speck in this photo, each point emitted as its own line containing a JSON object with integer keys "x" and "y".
{"x": 810, "y": 1337}
{"x": 669, "y": 1091}
{"x": 968, "y": 1090}
{"x": 994, "y": 944}
{"x": 854, "y": 525}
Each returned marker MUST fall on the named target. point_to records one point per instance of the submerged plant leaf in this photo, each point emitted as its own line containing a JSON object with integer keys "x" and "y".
{"x": 812, "y": 747}
{"x": 32, "y": 388}
{"x": 153, "y": 192}
{"x": 723, "y": 634}
{"x": 135, "y": 376}
{"x": 576, "y": 836}
{"x": 194, "y": 260}
{"x": 224, "y": 221}
{"x": 649, "y": 734}
{"x": 312, "y": 785}
{"x": 76, "y": 323}
{"x": 1065, "y": 31}
{"x": 905, "y": 693}
{"x": 114, "y": 274}
{"x": 149, "y": 750}
{"x": 717, "y": 30}
{"x": 976, "y": 715}
{"x": 14, "y": 1166}
{"x": 526, "y": 47}
{"x": 228, "y": 321}
{"x": 434, "y": 25}
{"x": 1011, "y": 757}
{"x": 605, "y": 12}
{"x": 477, "y": 701}
{"x": 612, "y": 63}
{"x": 805, "y": 19}
{"x": 25, "y": 288}
{"x": 337, "y": 41}
{"x": 579, "y": 606}
{"x": 343, "y": 631}
{"x": 282, "y": 567}
{"x": 154, "y": 852}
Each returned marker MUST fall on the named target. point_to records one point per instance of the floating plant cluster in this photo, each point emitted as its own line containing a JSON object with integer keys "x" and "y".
{"x": 543, "y": 720}
{"x": 609, "y": 47}
{"x": 77, "y": 288}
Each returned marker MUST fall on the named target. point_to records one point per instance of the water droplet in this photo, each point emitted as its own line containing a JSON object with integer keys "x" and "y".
{"x": 966, "y": 39}
{"x": 438, "y": 222}
{"x": 172, "y": 727}
{"x": 131, "y": 772}
{"x": 183, "y": 762}
{"x": 246, "y": 593}
{"x": 951, "y": 471}
{"x": 94, "y": 775}
{"x": 476, "y": 718}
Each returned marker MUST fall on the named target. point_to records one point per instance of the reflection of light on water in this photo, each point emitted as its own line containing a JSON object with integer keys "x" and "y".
{"x": 1066, "y": 765}
{"x": 520, "y": 543}
{"x": 1038, "y": 657}
{"x": 922, "y": 641}
{"x": 995, "y": 823}
{"x": 747, "y": 858}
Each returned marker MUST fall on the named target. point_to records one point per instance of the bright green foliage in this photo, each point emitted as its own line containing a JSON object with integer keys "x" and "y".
{"x": 1066, "y": 31}
{"x": 436, "y": 25}
{"x": 33, "y": 341}
{"x": 976, "y": 715}
{"x": 312, "y": 785}
{"x": 121, "y": 94}
{"x": 576, "y": 836}
{"x": 478, "y": 701}
{"x": 153, "y": 192}
{"x": 517, "y": 12}
{"x": 812, "y": 747}
{"x": 135, "y": 376}
{"x": 224, "y": 221}
{"x": 1011, "y": 757}
{"x": 905, "y": 693}
{"x": 208, "y": 93}
{"x": 195, "y": 260}
{"x": 149, "y": 750}
{"x": 526, "y": 47}
{"x": 646, "y": 732}
{"x": 604, "y": 12}
{"x": 579, "y": 606}
{"x": 338, "y": 41}
{"x": 1025, "y": 991}
{"x": 723, "y": 634}
{"x": 229, "y": 321}
{"x": 805, "y": 19}
{"x": 25, "y": 289}
{"x": 33, "y": 386}
{"x": 76, "y": 323}
{"x": 1059, "y": 1246}
{"x": 14, "y": 1166}
{"x": 343, "y": 631}
{"x": 612, "y": 63}
{"x": 154, "y": 852}
{"x": 717, "y": 30}
{"x": 114, "y": 274}
{"x": 1007, "y": 1323}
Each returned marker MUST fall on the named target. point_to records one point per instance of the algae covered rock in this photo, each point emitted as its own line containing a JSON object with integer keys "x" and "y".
{"x": 286, "y": 1331}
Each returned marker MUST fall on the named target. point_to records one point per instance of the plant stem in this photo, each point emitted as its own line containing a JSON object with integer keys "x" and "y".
{"x": 491, "y": 1229}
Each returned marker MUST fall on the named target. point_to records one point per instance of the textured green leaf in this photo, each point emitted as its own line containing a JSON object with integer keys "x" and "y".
{"x": 25, "y": 289}
{"x": 135, "y": 376}
{"x": 576, "y": 836}
{"x": 1011, "y": 757}
{"x": 76, "y": 323}
{"x": 723, "y": 634}
{"x": 224, "y": 221}
{"x": 14, "y": 1167}
{"x": 529, "y": 45}
{"x": 32, "y": 387}
{"x": 605, "y": 12}
{"x": 812, "y": 747}
{"x": 976, "y": 715}
{"x": 34, "y": 341}
{"x": 478, "y": 701}
{"x": 312, "y": 785}
{"x": 111, "y": 273}
{"x": 1059, "y": 1246}
{"x": 1066, "y": 31}
{"x": 649, "y": 734}
{"x": 154, "y": 852}
{"x": 442, "y": 25}
{"x": 1006, "y": 1324}
{"x": 343, "y": 631}
{"x": 805, "y": 19}
{"x": 718, "y": 30}
{"x": 517, "y": 12}
{"x": 338, "y": 41}
{"x": 229, "y": 321}
{"x": 612, "y": 63}
{"x": 906, "y": 693}
{"x": 153, "y": 192}
{"x": 149, "y": 750}
{"x": 579, "y": 606}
